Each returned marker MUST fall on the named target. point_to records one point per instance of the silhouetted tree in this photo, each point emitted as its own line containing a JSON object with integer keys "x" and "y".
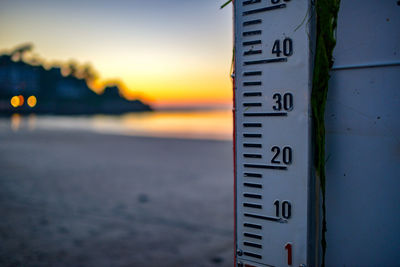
{"x": 19, "y": 52}
{"x": 73, "y": 68}
{"x": 88, "y": 73}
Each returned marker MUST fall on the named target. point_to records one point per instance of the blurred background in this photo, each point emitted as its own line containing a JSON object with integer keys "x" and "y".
{"x": 115, "y": 133}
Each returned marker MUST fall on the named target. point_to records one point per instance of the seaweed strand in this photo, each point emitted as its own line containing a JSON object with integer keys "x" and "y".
{"x": 326, "y": 11}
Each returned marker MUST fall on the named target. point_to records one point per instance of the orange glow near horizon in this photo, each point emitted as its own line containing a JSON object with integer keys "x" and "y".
{"x": 162, "y": 81}
{"x": 169, "y": 77}
{"x": 181, "y": 92}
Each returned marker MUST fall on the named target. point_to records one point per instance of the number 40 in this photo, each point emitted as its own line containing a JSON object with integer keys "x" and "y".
{"x": 287, "y": 47}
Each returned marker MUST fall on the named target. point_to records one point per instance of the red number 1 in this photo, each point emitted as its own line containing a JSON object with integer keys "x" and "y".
{"x": 288, "y": 247}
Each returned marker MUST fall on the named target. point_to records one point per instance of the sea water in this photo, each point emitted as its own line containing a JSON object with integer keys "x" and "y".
{"x": 203, "y": 124}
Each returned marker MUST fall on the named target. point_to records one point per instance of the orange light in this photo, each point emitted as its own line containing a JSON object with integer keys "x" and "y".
{"x": 31, "y": 101}
{"x": 21, "y": 100}
{"x": 15, "y": 101}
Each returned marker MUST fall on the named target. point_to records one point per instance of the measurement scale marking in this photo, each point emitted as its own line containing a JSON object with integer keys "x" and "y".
{"x": 267, "y": 218}
{"x": 254, "y": 255}
{"x": 252, "y": 83}
{"x": 252, "y": 52}
{"x": 265, "y": 61}
{"x": 264, "y": 166}
{"x": 252, "y": 225}
{"x": 252, "y": 205}
{"x": 249, "y": 265}
{"x": 252, "y": 22}
{"x": 265, "y": 114}
{"x": 249, "y": 195}
{"x": 260, "y": 216}
{"x": 251, "y": 33}
{"x": 252, "y": 174}
{"x": 253, "y": 185}
{"x": 252, "y": 73}
{"x": 249, "y": 2}
{"x": 252, "y": 94}
{"x": 252, "y": 145}
{"x": 252, "y": 236}
{"x": 251, "y": 244}
{"x": 264, "y": 9}
{"x": 252, "y": 124}
{"x": 255, "y": 42}
{"x": 252, "y": 104}
{"x": 252, "y": 135}
{"x": 254, "y": 156}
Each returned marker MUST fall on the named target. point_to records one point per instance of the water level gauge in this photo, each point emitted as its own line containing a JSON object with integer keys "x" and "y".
{"x": 272, "y": 132}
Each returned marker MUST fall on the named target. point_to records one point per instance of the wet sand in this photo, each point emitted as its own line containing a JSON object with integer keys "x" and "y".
{"x": 70, "y": 198}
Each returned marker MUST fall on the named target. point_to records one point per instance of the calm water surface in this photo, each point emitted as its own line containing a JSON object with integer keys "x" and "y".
{"x": 214, "y": 124}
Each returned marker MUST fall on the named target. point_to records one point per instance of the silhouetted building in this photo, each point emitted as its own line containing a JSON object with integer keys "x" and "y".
{"x": 55, "y": 93}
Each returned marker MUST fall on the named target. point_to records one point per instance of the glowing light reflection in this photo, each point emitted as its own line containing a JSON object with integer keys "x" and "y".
{"x": 192, "y": 125}
{"x": 15, "y": 122}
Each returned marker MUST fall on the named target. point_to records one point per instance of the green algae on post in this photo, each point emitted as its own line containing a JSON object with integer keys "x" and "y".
{"x": 226, "y": 3}
{"x": 326, "y": 12}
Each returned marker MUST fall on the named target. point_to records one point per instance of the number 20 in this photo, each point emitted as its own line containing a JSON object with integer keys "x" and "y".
{"x": 286, "y": 155}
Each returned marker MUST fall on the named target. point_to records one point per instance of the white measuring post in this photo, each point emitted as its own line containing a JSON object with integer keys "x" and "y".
{"x": 272, "y": 133}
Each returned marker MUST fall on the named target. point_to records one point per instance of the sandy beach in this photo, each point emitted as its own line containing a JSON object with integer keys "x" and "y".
{"x": 75, "y": 198}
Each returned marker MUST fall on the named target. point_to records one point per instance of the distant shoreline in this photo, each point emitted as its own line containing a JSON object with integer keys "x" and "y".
{"x": 9, "y": 113}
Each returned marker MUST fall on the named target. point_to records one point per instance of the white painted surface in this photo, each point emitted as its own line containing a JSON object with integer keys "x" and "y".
{"x": 291, "y": 130}
{"x": 363, "y": 138}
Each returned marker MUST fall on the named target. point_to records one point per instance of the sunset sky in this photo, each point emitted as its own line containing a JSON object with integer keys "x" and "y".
{"x": 175, "y": 52}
